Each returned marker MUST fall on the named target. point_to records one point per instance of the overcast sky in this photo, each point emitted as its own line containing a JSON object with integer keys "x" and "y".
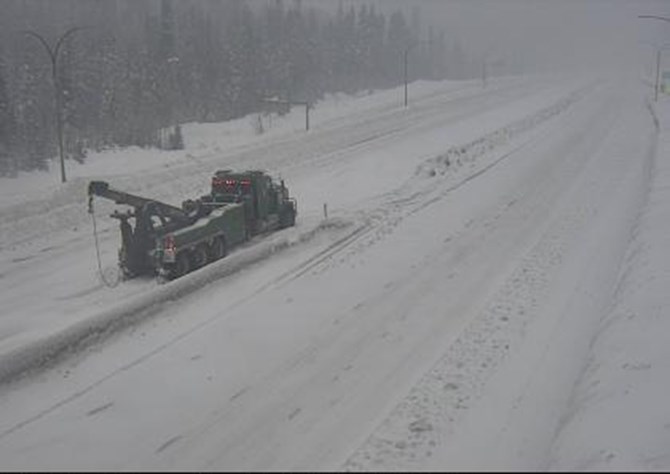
{"x": 554, "y": 32}
{"x": 548, "y": 33}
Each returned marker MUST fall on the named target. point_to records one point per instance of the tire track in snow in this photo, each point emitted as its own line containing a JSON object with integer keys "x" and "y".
{"x": 427, "y": 420}
{"x": 414, "y": 429}
{"x": 398, "y": 204}
{"x": 269, "y": 419}
{"x": 376, "y": 225}
{"x": 381, "y": 221}
{"x": 44, "y": 353}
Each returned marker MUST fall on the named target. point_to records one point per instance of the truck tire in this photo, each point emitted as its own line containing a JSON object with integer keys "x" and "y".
{"x": 218, "y": 249}
{"x": 201, "y": 256}
{"x": 182, "y": 266}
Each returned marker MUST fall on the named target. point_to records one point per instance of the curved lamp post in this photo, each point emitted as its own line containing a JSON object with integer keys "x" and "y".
{"x": 658, "y": 53}
{"x": 53, "y": 55}
{"x": 654, "y": 16}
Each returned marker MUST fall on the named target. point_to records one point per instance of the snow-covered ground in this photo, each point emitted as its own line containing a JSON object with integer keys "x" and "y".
{"x": 619, "y": 418}
{"x": 486, "y": 293}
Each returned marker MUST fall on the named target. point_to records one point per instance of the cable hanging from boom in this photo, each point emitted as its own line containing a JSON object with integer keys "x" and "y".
{"x": 97, "y": 249}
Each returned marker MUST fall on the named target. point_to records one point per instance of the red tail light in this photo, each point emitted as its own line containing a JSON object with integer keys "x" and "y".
{"x": 226, "y": 183}
{"x": 169, "y": 245}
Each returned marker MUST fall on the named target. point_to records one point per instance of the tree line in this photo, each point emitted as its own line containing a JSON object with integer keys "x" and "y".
{"x": 136, "y": 69}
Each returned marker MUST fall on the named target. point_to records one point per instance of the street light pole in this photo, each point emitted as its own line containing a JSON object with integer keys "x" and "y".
{"x": 658, "y": 54}
{"x": 53, "y": 55}
{"x": 405, "y": 62}
{"x": 659, "y": 50}
{"x": 654, "y": 16}
{"x": 658, "y": 67}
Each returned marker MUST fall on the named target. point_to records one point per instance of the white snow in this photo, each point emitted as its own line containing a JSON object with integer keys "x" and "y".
{"x": 488, "y": 292}
{"x": 619, "y": 418}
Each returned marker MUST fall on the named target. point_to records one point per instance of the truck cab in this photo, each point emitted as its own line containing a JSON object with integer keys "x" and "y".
{"x": 267, "y": 203}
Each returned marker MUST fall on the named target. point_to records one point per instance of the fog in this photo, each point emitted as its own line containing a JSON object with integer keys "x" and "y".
{"x": 132, "y": 69}
{"x": 519, "y": 36}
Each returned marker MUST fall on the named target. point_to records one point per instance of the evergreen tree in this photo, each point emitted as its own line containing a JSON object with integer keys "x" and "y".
{"x": 399, "y": 39}
{"x": 146, "y": 66}
{"x": 6, "y": 127}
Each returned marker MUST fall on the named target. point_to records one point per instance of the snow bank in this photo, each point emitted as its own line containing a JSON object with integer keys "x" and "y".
{"x": 201, "y": 141}
{"x": 37, "y": 204}
{"x": 620, "y": 416}
{"x": 494, "y": 399}
{"x": 458, "y": 155}
{"x": 68, "y": 208}
{"x": 43, "y": 352}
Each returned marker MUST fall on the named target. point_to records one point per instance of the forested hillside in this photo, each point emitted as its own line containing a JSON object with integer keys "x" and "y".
{"x": 128, "y": 72}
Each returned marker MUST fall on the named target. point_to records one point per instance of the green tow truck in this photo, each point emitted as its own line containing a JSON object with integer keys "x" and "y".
{"x": 169, "y": 241}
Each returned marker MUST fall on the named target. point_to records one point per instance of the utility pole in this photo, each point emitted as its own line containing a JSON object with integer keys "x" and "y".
{"x": 53, "y": 56}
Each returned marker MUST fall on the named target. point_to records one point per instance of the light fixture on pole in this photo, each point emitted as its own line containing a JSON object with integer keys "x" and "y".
{"x": 658, "y": 54}
{"x": 53, "y": 56}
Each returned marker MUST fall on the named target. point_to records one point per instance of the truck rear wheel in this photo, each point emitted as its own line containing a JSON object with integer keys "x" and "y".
{"x": 218, "y": 249}
{"x": 200, "y": 256}
{"x": 182, "y": 266}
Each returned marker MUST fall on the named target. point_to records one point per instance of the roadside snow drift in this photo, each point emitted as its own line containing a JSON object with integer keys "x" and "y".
{"x": 487, "y": 292}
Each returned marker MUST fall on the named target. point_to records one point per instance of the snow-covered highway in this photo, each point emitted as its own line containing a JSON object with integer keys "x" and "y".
{"x": 439, "y": 320}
